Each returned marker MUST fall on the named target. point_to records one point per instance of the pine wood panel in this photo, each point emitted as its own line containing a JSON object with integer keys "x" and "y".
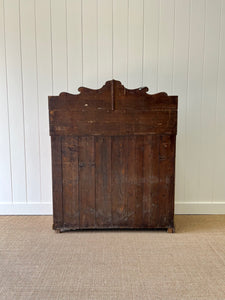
{"x": 103, "y": 165}
{"x": 119, "y": 176}
{"x": 87, "y": 182}
{"x": 115, "y": 178}
{"x": 113, "y": 182}
{"x": 166, "y": 180}
{"x": 136, "y": 178}
{"x": 151, "y": 183}
{"x": 112, "y": 123}
{"x": 70, "y": 171}
{"x": 56, "y": 142}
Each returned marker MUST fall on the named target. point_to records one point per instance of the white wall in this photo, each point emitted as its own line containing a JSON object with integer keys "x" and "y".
{"x": 46, "y": 47}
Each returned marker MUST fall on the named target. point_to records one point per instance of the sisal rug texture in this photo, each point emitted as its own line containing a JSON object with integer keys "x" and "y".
{"x": 37, "y": 263}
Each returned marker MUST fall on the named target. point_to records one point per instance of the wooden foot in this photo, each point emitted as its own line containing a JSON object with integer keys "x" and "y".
{"x": 58, "y": 230}
{"x": 171, "y": 230}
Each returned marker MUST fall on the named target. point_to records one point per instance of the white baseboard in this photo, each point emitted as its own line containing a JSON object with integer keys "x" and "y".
{"x": 195, "y": 208}
{"x": 46, "y": 208}
{"x": 26, "y": 209}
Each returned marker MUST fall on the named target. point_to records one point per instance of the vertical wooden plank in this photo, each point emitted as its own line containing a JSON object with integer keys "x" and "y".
{"x": 90, "y": 43}
{"x": 57, "y": 181}
{"x": 15, "y": 100}
{"x": 151, "y": 181}
{"x": 219, "y": 167}
{"x": 148, "y": 199}
{"x": 135, "y": 44}
{"x": 119, "y": 177}
{"x": 44, "y": 89}
{"x": 87, "y": 181}
{"x": 31, "y": 107}
{"x": 134, "y": 181}
{"x": 103, "y": 182}
{"x": 5, "y": 159}
{"x": 104, "y": 41}
{"x": 166, "y": 40}
{"x": 59, "y": 46}
{"x": 151, "y": 44}
{"x": 70, "y": 181}
{"x": 139, "y": 159}
{"x": 74, "y": 41}
{"x": 131, "y": 182}
{"x": 166, "y": 181}
{"x": 180, "y": 87}
{"x": 120, "y": 40}
{"x": 208, "y": 109}
{"x": 192, "y": 110}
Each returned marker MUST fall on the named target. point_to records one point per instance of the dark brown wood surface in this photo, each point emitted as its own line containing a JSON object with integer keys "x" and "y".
{"x": 113, "y": 158}
{"x": 111, "y": 123}
{"x": 103, "y": 216}
{"x": 70, "y": 171}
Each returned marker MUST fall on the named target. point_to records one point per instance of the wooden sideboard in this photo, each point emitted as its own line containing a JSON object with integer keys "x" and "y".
{"x": 113, "y": 158}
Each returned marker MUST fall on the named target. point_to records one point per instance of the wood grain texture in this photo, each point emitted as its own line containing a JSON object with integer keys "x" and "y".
{"x": 87, "y": 181}
{"x": 95, "y": 116}
{"x": 112, "y": 175}
{"x": 56, "y": 142}
{"x": 112, "y": 123}
{"x": 119, "y": 177}
{"x": 166, "y": 181}
{"x": 151, "y": 180}
{"x": 103, "y": 181}
{"x": 131, "y": 179}
{"x": 70, "y": 180}
{"x": 135, "y": 204}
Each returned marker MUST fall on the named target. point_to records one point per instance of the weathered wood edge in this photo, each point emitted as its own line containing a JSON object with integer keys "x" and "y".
{"x": 63, "y": 228}
{"x": 138, "y": 91}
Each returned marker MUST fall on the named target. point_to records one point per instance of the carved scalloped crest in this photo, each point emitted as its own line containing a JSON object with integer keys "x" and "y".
{"x": 112, "y": 84}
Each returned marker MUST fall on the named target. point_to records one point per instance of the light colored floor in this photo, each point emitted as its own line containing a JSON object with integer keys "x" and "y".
{"x": 37, "y": 263}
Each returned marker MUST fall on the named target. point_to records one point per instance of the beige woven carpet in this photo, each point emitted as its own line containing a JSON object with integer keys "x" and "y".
{"x": 37, "y": 263}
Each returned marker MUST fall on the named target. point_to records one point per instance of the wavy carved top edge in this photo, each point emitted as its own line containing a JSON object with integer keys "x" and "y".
{"x": 111, "y": 84}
